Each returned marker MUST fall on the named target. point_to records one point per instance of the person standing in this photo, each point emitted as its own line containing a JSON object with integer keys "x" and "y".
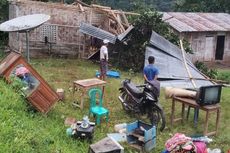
{"x": 151, "y": 74}
{"x": 104, "y": 59}
{"x": 150, "y": 71}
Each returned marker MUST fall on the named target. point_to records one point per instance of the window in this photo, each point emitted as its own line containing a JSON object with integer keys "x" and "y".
{"x": 23, "y": 79}
{"x": 49, "y": 33}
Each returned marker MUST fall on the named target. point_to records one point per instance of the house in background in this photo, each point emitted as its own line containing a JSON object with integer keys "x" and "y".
{"x": 61, "y": 35}
{"x": 208, "y": 34}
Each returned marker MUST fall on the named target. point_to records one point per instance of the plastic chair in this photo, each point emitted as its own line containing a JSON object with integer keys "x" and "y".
{"x": 96, "y": 108}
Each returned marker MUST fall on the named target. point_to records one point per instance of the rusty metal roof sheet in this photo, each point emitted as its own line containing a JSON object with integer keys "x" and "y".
{"x": 194, "y": 22}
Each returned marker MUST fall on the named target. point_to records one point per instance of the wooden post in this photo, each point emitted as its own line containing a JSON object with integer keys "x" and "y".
{"x": 119, "y": 23}
{"x": 186, "y": 65}
{"x": 125, "y": 19}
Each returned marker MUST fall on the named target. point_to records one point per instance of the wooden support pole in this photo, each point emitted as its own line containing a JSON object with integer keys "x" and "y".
{"x": 125, "y": 19}
{"x": 100, "y": 7}
{"x": 186, "y": 65}
{"x": 119, "y": 23}
{"x": 82, "y": 3}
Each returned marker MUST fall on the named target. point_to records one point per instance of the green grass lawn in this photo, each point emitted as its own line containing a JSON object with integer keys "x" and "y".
{"x": 24, "y": 130}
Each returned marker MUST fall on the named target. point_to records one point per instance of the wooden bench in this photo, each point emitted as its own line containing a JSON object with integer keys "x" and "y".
{"x": 192, "y": 103}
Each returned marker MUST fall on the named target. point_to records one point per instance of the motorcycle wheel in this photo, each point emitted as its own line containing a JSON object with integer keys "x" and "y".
{"x": 126, "y": 99}
{"x": 157, "y": 118}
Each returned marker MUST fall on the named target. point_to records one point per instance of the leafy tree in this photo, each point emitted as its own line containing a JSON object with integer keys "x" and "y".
{"x": 3, "y": 17}
{"x": 131, "y": 5}
{"x": 202, "y": 5}
{"x": 131, "y": 56}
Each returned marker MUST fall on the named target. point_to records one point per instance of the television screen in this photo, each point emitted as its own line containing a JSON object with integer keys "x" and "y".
{"x": 209, "y": 95}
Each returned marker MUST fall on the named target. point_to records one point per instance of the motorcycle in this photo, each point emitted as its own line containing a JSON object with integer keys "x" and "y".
{"x": 142, "y": 100}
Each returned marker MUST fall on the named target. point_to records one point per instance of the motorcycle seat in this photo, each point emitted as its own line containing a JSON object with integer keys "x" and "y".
{"x": 134, "y": 90}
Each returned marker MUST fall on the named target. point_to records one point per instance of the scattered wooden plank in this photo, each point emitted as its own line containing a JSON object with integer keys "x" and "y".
{"x": 82, "y": 3}
{"x": 125, "y": 19}
{"x": 119, "y": 23}
{"x": 101, "y": 7}
{"x": 80, "y": 7}
{"x": 126, "y": 13}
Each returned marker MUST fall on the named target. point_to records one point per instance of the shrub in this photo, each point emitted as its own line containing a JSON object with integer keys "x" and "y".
{"x": 212, "y": 73}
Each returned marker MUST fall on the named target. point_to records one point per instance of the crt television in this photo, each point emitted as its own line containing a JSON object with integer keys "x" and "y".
{"x": 209, "y": 95}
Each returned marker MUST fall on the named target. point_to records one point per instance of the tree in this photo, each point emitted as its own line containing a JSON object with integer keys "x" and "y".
{"x": 3, "y": 17}
{"x": 131, "y": 56}
{"x": 202, "y": 5}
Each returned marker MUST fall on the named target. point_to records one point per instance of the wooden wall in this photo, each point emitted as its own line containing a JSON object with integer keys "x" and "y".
{"x": 204, "y": 45}
{"x": 62, "y": 30}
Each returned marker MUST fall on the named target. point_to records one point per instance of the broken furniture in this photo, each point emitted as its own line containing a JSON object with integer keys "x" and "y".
{"x": 96, "y": 105}
{"x": 192, "y": 103}
{"x": 106, "y": 145}
{"x": 36, "y": 90}
{"x": 141, "y": 136}
{"x": 84, "y": 85}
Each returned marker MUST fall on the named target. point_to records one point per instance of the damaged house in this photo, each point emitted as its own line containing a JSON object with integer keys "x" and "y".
{"x": 208, "y": 34}
{"x": 61, "y": 35}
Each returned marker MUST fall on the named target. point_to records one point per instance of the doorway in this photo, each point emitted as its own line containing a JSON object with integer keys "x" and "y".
{"x": 220, "y": 48}
{"x": 209, "y": 48}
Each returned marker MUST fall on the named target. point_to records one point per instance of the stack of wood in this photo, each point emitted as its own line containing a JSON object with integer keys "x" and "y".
{"x": 117, "y": 19}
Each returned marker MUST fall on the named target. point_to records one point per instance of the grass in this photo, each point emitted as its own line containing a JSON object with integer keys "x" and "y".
{"x": 24, "y": 130}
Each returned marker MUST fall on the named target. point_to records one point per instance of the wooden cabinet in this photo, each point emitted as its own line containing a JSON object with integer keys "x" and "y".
{"x": 35, "y": 88}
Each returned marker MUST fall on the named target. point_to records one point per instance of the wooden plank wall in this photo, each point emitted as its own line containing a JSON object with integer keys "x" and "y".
{"x": 204, "y": 45}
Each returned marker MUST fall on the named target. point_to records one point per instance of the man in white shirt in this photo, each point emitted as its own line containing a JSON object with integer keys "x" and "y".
{"x": 104, "y": 59}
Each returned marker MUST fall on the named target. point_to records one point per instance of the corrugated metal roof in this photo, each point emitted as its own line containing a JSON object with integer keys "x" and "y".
{"x": 125, "y": 33}
{"x": 170, "y": 63}
{"x": 193, "y": 22}
{"x": 97, "y": 32}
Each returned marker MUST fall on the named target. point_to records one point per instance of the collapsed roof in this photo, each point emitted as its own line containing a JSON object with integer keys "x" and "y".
{"x": 169, "y": 61}
{"x": 102, "y": 34}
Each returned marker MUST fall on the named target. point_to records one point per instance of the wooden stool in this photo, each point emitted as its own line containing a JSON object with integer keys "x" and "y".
{"x": 192, "y": 103}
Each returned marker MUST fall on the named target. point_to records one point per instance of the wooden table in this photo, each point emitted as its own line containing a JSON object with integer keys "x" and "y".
{"x": 192, "y": 103}
{"x": 85, "y": 85}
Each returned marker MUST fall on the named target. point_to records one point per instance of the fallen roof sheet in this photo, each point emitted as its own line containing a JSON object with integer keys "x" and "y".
{"x": 102, "y": 34}
{"x": 170, "y": 63}
{"x": 124, "y": 34}
{"x": 193, "y": 22}
{"x": 97, "y": 32}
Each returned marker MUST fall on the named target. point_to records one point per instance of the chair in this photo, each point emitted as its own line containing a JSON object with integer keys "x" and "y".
{"x": 96, "y": 108}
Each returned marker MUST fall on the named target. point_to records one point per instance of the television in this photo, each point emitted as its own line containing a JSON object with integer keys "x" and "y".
{"x": 209, "y": 95}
